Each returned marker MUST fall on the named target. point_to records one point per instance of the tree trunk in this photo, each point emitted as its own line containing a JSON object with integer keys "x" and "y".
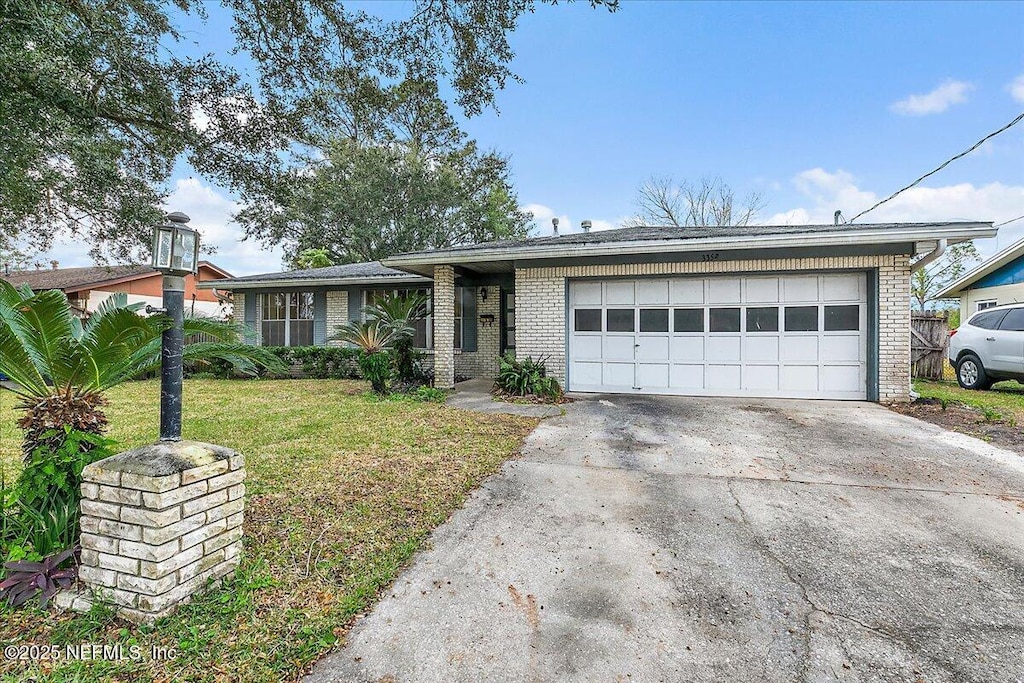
{"x": 46, "y": 418}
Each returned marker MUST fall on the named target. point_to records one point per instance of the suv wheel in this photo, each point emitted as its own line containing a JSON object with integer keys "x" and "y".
{"x": 971, "y": 374}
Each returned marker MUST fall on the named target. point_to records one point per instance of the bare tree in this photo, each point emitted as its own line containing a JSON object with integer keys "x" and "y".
{"x": 663, "y": 201}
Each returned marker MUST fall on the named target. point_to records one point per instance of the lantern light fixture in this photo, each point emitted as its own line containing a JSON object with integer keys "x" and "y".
{"x": 175, "y": 246}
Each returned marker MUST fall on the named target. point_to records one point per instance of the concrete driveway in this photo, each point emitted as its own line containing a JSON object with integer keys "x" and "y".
{"x": 684, "y": 539}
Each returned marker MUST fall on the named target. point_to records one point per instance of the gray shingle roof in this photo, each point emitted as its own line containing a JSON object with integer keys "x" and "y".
{"x": 368, "y": 270}
{"x": 654, "y": 233}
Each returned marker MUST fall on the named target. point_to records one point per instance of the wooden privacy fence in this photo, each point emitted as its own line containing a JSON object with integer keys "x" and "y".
{"x": 929, "y": 338}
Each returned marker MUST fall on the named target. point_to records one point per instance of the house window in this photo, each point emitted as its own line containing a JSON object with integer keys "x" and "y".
{"x": 422, "y": 337}
{"x": 988, "y": 303}
{"x": 287, "y": 319}
{"x": 458, "y": 317}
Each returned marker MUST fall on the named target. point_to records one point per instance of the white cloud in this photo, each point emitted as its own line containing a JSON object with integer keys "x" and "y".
{"x": 1016, "y": 88}
{"x": 935, "y": 102}
{"x": 211, "y": 212}
{"x": 829, "y": 191}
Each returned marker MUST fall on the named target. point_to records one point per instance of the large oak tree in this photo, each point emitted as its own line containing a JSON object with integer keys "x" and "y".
{"x": 100, "y": 99}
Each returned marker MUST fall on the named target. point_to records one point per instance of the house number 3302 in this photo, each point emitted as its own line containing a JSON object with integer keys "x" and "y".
{"x": 709, "y": 256}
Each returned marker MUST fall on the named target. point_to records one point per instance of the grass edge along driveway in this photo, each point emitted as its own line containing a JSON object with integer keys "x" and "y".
{"x": 342, "y": 489}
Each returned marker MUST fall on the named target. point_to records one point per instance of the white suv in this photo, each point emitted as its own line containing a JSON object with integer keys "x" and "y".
{"x": 989, "y": 347}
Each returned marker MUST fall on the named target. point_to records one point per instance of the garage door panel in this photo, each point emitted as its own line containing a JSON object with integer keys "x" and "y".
{"x": 619, "y": 374}
{"x": 762, "y": 349}
{"x": 841, "y": 378}
{"x": 723, "y": 377}
{"x": 844, "y": 287}
{"x": 762, "y": 290}
{"x": 652, "y": 375}
{"x": 687, "y": 348}
{"x": 586, "y": 293}
{"x": 800, "y": 288}
{"x": 800, "y": 348}
{"x": 586, "y": 348}
{"x": 619, "y": 348}
{"x": 683, "y": 376}
{"x": 587, "y": 374}
{"x": 619, "y": 293}
{"x": 652, "y": 348}
{"x": 799, "y": 378}
{"x": 724, "y": 290}
{"x": 687, "y": 291}
{"x": 841, "y": 348}
{"x": 652, "y": 292}
{"x": 724, "y": 348}
{"x": 761, "y": 378}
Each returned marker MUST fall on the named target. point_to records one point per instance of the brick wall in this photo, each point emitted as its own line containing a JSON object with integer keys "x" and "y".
{"x": 540, "y": 305}
{"x": 444, "y": 326}
{"x": 484, "y": 361}
{"x": 337, "y": 313}
{"x": 150, "y": 541}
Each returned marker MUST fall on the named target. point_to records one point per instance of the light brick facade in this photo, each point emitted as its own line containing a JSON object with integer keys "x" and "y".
{"x": 540, "y": 305}
{"x": 444, "y": 327}
{"x": 484, "y": 361}
{"x": 337, "y": 313}
{"x": 158, "y": 523}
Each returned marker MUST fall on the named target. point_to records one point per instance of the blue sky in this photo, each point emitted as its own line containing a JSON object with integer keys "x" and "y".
{"x": 817, "y": 107}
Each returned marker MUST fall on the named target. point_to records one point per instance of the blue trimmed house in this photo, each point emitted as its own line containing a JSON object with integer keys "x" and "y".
{"x": 996, "y": 281}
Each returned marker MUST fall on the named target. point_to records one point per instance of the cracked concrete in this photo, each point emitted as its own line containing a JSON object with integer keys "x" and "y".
{"x": 684, "y": 539}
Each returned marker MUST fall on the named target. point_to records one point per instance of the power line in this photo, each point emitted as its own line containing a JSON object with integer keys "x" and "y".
{"x": 964, "y": 153}
{"x": 1012, "y": 220}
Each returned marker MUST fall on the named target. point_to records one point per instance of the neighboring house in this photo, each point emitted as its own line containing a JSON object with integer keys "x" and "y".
{"x": 88, "y": 287}
{"x": 998, "y": 280}
{"x": 810, "y": 311}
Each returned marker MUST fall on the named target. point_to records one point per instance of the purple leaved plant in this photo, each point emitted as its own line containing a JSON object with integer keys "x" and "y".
{"x": 25, "y": 579}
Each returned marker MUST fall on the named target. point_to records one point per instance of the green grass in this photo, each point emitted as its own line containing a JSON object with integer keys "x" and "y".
{"x": 1004, "y": 400}
{"x": 342, "y": 489}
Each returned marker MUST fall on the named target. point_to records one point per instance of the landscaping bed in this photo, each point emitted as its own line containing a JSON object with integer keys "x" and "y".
{"x": 996, "y": 416}
{"x": 343, "y": 488}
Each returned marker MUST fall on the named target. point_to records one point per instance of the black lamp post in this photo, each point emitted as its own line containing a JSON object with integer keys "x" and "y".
{"x": 175, "y": 254}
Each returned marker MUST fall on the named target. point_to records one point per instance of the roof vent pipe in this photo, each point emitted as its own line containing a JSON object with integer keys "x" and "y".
{"x": 554, "y": 226}
{"x": 586, "y": 225}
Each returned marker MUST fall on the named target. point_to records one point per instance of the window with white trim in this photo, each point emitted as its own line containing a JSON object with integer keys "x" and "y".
{"x": 423, "y": 336}
{"x": 287, "y": 319}
{"x": 987, "y": 303}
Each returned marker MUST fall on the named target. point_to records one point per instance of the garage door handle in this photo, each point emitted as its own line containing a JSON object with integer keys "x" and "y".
{"x": 990, "y": 338}
{"x": 636, "y": 346}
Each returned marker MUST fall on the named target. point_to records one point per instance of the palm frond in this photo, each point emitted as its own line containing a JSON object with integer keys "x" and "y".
{"x": 36, "y": 323}
{"x": 370, "y": 335}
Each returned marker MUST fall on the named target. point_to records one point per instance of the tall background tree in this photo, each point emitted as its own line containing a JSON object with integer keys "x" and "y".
{"x": 100, "y": 100}
{"x": 663, "y": 201}
{"x": 939, "y": 274}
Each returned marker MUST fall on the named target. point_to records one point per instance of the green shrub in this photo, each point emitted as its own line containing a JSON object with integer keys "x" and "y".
{"x": 41, "y": 510}
{"x": 526, "y": 377}
{"x": 429, "y": 394}
{"x": 319, "y": 362}
{"x": 376, "y": 367}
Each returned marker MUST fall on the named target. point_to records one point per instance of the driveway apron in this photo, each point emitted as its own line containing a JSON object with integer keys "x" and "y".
{"x": 684, "y": 539}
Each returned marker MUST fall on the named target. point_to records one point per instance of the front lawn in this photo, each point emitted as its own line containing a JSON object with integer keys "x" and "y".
{"x": 1005, "y": 399}
{"x": 342, "y": 490}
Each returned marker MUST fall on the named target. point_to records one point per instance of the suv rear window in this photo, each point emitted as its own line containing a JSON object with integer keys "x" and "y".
{"x": 989, "y": 320}
{"x": 1014, "y": 320}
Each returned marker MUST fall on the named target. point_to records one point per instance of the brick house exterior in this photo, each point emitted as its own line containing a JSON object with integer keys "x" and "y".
{"x": 759, "y": 311}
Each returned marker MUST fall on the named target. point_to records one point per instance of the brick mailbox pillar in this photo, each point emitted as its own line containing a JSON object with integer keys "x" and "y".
{"x": 158, "y": 523}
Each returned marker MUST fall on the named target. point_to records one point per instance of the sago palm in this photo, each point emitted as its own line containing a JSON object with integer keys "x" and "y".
{"x": 373, "y": 338}
{"x": 62, "y": 366}
{"x": 399, "y": 315}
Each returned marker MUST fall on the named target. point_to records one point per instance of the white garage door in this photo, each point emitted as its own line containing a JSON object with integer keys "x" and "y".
{"x": 795, "y": 336}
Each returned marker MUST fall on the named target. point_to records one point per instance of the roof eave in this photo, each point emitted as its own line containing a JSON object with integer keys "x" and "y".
{"x": 312, "y": 282}
{"x": 1014, "y": 251}
{"x": 958, "y": 232}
